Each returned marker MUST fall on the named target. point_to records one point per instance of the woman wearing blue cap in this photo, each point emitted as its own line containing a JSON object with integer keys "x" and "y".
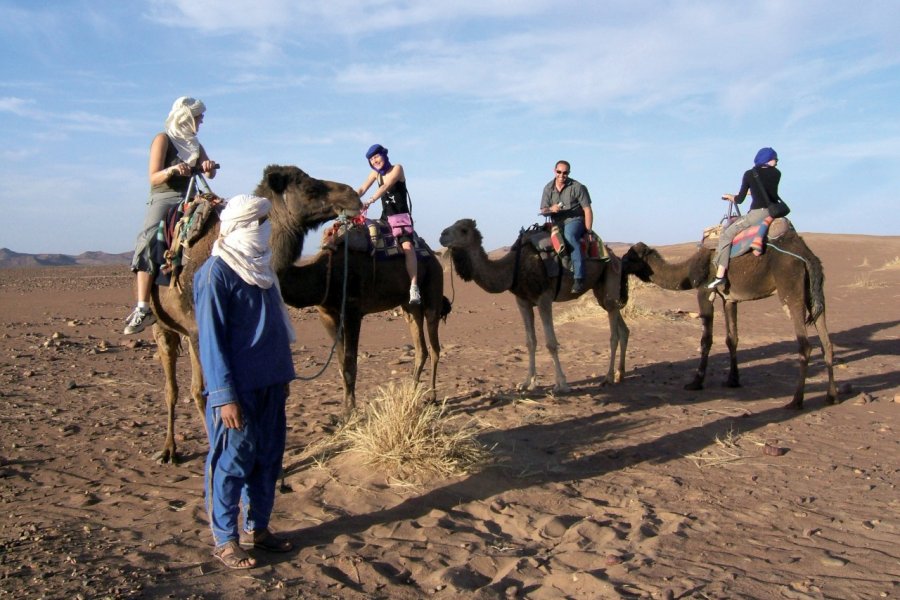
{"x": 394, "y": 208}
{"x": 767, "y": 176}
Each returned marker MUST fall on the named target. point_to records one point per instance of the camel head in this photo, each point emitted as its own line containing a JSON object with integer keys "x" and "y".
{"x": 301, "y": 203}
{"x": 462, "y": 234}
{"x": 635, "y": 261}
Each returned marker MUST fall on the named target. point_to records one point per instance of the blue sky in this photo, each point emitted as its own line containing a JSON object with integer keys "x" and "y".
{"x": 659, "y": 105}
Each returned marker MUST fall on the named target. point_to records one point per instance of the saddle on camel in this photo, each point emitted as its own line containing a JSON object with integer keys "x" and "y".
{"x": 184, "y": 224}
{"x": 373, "y": 236}
{"x": 753, "y": 239}
{"x": 555, "y": 253}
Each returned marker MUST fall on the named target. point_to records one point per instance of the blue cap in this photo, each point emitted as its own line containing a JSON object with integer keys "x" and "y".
{"x": 376, "y": 149}
{"x": 765, "y": 155}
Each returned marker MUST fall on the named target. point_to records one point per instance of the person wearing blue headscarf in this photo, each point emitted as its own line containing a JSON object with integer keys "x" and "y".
{"x": 395, "y": 208}
{"x": 764, "y": 188}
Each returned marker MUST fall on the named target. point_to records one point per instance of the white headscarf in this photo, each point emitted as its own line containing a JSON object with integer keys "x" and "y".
{"x": 181, "y": 126}
{"x": 244, "y": 244}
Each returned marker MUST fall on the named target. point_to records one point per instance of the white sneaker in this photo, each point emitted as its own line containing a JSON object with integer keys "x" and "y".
{"x": 414, "y": 296}
{"x": 139, "y": 320}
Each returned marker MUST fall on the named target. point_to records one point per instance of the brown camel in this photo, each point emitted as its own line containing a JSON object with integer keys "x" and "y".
{"x": 788, "y": 267}
{"x": 522, "y": 272}
{"x": 373, "y": 285}
{"x": 299, "y": 203}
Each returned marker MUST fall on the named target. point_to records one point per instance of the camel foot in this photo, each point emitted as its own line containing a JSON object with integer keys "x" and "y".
{"x": 794, "y": 405}
{"x": 527, "y": 386}
{"x": 733, "y": 383}
{"x": 561, "y": 389}
{"x": 166, "y": 456}
{"x": 694, "y": 385}
{"x": 832, "y": 399}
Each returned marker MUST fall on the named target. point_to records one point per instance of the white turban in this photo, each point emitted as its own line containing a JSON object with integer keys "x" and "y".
{"x": 244, "y": 244}
{"x": 181, "y": 126}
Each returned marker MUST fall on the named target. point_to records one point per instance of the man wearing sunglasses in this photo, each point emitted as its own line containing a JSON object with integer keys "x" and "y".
{"x": 568, "y": 204}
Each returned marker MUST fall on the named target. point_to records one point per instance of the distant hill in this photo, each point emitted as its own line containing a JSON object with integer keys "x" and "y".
{"x": 10, "y": 259}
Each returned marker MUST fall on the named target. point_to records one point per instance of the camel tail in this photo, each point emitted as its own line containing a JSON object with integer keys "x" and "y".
{"x": 446, "y": 306}
{"x": 816, "y": 277}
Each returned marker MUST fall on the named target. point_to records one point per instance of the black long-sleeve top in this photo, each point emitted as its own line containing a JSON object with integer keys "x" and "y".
{"x": 769, "y": 177}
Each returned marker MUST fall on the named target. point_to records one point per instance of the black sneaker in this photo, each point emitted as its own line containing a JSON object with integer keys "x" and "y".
{"x": 578, "y": 286}
{"x": 138, "y": 321}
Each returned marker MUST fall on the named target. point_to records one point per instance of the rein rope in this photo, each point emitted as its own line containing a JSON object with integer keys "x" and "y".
{"x": 342, "y": 218}
{"x": 783, "y": 251}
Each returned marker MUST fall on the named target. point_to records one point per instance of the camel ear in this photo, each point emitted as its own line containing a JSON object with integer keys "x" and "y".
{"x": 277, "y": 181}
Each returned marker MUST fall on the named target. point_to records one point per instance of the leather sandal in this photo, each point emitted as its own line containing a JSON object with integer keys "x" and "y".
{"x": 233, "y": 556}
{"x": 264, "y": 539}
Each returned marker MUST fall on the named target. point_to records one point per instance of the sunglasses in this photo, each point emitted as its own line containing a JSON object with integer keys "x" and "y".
{"x": 558, "y": 172}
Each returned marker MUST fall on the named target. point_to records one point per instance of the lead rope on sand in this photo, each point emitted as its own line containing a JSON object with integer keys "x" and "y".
{"x": 342, "y": 218}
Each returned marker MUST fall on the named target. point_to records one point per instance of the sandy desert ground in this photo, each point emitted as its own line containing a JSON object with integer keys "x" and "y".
{"x": 639, "y": 490}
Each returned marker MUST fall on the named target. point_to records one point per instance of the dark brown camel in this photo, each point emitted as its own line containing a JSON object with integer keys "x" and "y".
{"x": 373, "y": 285}
{"x": 299, "y": 203}
{"x": 522, "y": 272}
{"x": 788, "y": 267}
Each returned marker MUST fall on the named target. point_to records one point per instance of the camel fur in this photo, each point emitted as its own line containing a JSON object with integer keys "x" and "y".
{"x": 373, "y": 285}
{"x": 299, "y": 203}
{"x": 523, "y": 273}
{"x": 788, "y": 267}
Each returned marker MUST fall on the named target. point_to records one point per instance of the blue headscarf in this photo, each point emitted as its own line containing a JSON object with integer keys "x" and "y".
{"x": 379, "y": 149}
{"x": 765, "y": 155}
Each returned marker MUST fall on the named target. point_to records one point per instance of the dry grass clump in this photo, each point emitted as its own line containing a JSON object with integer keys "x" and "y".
{"x": 864, "y": 280}
{"x": 405, "y": 435}
{"x": 892, "y": 264}
{"x": 728, "y": 448}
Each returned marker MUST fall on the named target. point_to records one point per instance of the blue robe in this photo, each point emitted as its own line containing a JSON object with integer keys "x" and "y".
{"x": 246, "y": 358}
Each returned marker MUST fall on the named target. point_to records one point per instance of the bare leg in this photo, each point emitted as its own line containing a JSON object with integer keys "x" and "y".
{"x": 143, "y": 286}
{"x": 412, "y": 266}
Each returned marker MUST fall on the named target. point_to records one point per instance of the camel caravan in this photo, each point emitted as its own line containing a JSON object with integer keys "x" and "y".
{"x": 360, "y": 271}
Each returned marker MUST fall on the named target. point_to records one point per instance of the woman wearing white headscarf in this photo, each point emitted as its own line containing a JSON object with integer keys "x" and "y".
{"x": 244, "y": 341}
{"x": 174, "y": 154}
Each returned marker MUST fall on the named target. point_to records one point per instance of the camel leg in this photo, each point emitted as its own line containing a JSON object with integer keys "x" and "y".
{"x": 197, "y": 379}
{"x": 432, "y": 322}
{"x": 527, "y": 312}
{"x": 798, "y": 318}
{"x": 348, "y": 378}
{"x": 731, "y": 340}
{"x": 545, "y": 309}
{"x": 167, "y": 343}
{"x": 622, "y": 334}
{"x": 707, "y": 310}
{"x": 415, "y": 320}
{"x": 831, "y": 397}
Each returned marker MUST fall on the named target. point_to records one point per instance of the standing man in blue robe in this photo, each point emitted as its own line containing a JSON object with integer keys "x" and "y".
{"x": 245, "y": 338}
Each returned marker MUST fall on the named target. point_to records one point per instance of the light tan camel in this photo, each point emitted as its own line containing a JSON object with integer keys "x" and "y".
{"x": 522, "y": 272}
{"x": 299, "y": 203}
{"x": 373, "y": 285}
{"x": 788, "y": 267}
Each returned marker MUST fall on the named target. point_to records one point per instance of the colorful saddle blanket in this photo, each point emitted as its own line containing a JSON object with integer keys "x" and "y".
{"x": 184, "y": 224}
{"x": 551, "y": 247}
{"x": 366, "y": 235}
{"x": 753, "y": 239}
